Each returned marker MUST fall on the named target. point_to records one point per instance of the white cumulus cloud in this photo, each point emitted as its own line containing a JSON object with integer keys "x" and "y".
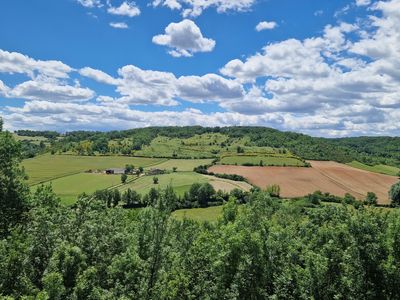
{"x": 14, "y": 62}
{"x": 184, "y": 39}
{"x": 119, "y": 25}
{"x": 264, "y": 25}
{"x": 194, "y": 8}
{"x": 128, "y": 9}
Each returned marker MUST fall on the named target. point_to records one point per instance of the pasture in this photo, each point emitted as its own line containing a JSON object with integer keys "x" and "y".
{"x": 326, "y": 176}
{"x": 383, "y": 169}
{"x": 68, "y": 188}
{"x": 48, "y": 167}
{"x": 182, "y": 165}
{"x": 180, "y": 181}
{"x": 265, "y": 160}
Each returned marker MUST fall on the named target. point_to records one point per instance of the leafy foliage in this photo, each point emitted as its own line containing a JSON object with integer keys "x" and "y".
{"x": 394, "y": 194}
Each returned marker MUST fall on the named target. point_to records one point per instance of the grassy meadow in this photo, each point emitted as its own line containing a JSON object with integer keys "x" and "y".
{"x": 266, "y": 160}
{"x": 182, "y": 165}
{"x": 383, "y": 169}
{"x": 48, "y": 167}
{"x": 68, "y": 188}
{"x": 180, "y": 181}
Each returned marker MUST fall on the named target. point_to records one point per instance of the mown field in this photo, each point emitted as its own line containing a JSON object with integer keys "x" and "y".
{"x": 68, "y": 188}
{"x": 180, "y": 181}
{"x": 264, "y": 160}
{"x": 383, "y": 169}
{"x": 49, "y": 167}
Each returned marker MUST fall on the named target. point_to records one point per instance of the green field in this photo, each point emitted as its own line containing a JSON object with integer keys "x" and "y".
{"x": 209, "y": 214}
{"x": 210, "y": 145}
{"x": 68, "y": 188}
{"x": 182, "y": 164}
{"x": 33, "y": 139}
{"x": 180, "y": 181}
{"x": 266, "y": 160}
{"x": 47, "y": 167}
{"x": 383, "y": 169}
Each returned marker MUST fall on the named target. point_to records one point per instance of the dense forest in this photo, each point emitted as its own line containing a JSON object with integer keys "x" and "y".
{"x": 264, "y": 249}
{"x": 369, "y": 150}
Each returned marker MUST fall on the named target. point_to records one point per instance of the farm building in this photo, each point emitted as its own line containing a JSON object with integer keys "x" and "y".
{"x": 116, "y": 171}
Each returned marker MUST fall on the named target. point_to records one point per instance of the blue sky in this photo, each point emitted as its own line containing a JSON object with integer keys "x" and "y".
{"x": 318, "y": 67}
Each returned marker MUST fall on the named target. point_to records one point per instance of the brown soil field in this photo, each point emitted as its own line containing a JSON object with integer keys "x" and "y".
{"x": 326, "y": 176}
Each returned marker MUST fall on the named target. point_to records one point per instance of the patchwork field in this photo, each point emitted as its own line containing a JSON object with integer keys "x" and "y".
{"x": 383, "y": 169}
{"x": 210, "y": 145}
{"x": 68, "y": 188}
{"x": 266, "y": 160}
{"x": 48, "y": 167}
{"x": 331, "y": 177}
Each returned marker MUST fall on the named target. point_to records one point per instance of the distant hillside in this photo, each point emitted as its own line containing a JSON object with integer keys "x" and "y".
{"x": 369, "y": 150}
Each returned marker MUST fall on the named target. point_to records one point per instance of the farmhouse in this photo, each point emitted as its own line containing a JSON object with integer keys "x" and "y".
{"x": 116, "y": 171}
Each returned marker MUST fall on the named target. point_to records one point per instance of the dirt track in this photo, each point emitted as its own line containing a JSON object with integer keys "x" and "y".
{"x": 326, "y": 176}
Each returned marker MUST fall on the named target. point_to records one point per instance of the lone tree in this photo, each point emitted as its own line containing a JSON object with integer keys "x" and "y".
{"x": 394, "y": 194}
{"x": 129, "y": 169}
{"x": 124, "y": 177}
{"x": 274, "y": 190}
{"x": 155, "y": 180}
{"x": 371, "y": 199}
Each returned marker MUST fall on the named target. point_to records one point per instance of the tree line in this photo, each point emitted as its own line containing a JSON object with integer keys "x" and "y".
{"x": 369, "y": 150}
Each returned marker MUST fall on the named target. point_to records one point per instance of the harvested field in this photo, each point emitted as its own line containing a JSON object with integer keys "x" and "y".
{"x": 326, "y": 176}
{"x": 227, "y": 185}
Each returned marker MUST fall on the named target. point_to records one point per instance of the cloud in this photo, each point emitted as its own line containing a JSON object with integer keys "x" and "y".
{"x": 128, "y": 9}
{"x": 266, "y": 25}
{"x": 98, "y": 76}
{"x": 208, "y": 87}
{"x": 90, "y": 3}
{"x": 185, "y": 38}
{"x": 194, "y": 8}
{"x": 3, "y": 89}
{"x": 119, "y": 25}
{"x": 139, "y": 86}
{"x": 318, "y": 13}
{"x": 74, "y": 116}
{"x": 13, "y": 62}
{"x": 51, "y": 91}
{"x": 363, "y": 2}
